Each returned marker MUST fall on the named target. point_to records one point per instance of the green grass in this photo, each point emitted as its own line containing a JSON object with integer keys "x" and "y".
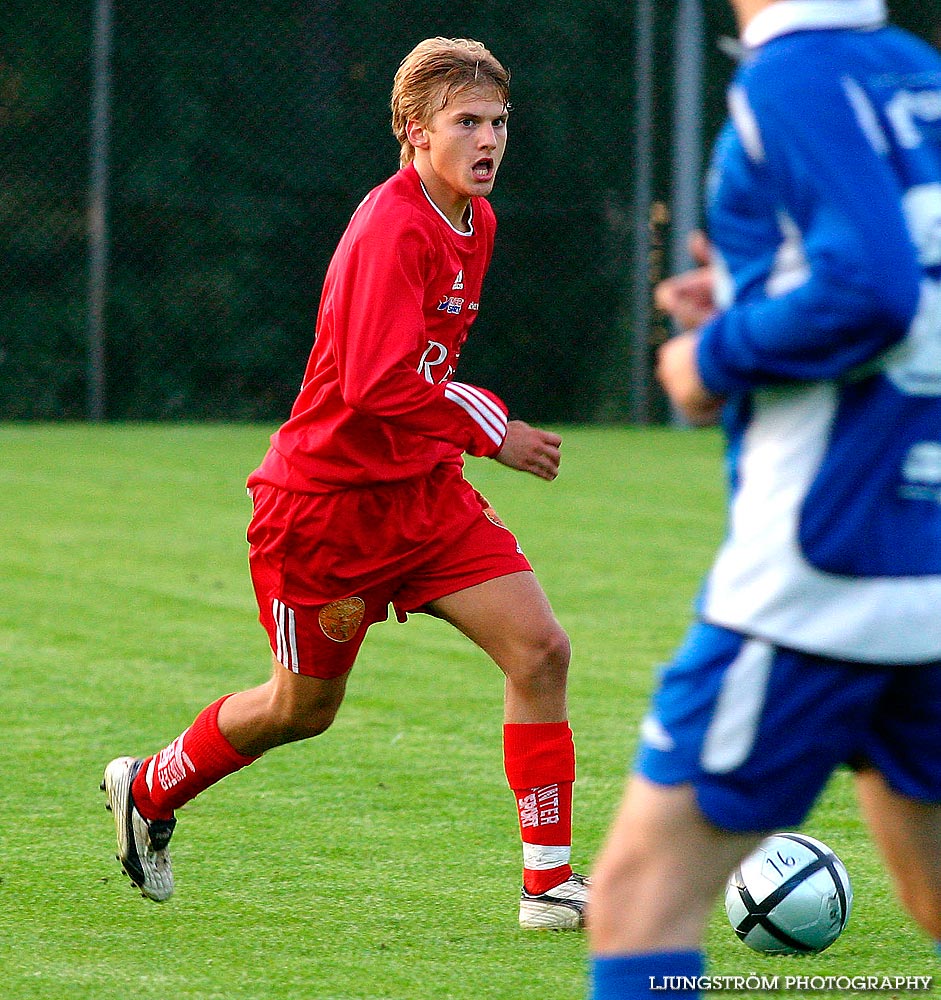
{"x": 380, "y": 861}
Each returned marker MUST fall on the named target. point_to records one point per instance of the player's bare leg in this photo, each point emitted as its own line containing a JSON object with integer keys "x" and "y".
{"x": 908, "y": 833}
{"x": 511, "y": 620}
{"x": 286, "y": 708}
{"x": 224, "y": 737}
{"x": 659, "y": 873}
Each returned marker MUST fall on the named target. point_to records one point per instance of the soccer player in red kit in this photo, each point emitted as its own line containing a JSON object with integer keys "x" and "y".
{"x": 361, "y": 500}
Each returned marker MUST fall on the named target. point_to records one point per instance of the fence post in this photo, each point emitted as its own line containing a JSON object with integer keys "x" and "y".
{"x": 687, "y": 153}
{"x": 98, "y": 208}
{"x": 642, "y": 169}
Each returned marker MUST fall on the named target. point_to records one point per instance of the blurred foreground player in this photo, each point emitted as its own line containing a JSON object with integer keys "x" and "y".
{"x": 361, "y": 501}
{"x": 816, "y": 329}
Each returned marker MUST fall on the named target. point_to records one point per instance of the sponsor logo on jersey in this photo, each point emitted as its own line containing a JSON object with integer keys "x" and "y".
{"x": 451, "y": 304}
{"x": 432, "y": 360}
{"x": 458, "y": 281}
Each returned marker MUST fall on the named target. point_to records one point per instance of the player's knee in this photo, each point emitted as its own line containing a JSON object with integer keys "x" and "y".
{"x": 296, "y": 727}
{"x": 544, "y": 660}
{"x": 551, "y": 648}
{"x": 558, "y": 652}
{"x": 301, "y": 718}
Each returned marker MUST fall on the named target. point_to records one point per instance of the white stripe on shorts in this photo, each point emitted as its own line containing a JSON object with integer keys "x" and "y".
{"x": 286, "y": 651}
{"x": 734, "y": 725}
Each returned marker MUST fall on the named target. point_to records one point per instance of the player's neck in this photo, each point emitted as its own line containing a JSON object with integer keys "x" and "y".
{"x": 453, "y": 206}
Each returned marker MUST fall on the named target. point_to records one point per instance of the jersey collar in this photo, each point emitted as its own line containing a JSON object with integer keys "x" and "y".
{"x": 803, "y": 15}
{"x": 470, "y": 213}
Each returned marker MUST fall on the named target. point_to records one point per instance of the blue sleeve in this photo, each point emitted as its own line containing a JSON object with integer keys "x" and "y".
{"x": 861, "y": 280}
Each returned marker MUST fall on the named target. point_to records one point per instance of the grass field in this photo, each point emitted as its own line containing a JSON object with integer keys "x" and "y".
{"x": 380, "y": 861}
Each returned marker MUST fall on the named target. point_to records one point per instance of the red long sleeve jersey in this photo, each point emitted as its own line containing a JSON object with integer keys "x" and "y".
{"x": 378, "y": 402}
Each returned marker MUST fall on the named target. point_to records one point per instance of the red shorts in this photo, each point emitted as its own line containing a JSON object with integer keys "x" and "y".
{"x": 326, "y": 566}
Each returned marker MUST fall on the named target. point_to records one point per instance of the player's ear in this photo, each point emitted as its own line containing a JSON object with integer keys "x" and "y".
{"x": 417, "y": 134}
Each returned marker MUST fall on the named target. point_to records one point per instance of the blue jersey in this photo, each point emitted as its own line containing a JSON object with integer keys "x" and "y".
{"x": 824, "y": 207}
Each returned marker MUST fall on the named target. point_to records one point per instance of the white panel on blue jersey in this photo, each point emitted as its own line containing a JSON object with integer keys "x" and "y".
{"x": 790, "y": 269}
{"x": 914, "y": 365}
{"x": 745, "y": 124}
{"x": 922, "y": 205}
{"x": 762, "y": 584}
{"x": 867, "y": 116}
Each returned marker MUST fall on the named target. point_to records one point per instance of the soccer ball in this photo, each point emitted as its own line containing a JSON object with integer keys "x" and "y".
{"x": 790, "y": 896}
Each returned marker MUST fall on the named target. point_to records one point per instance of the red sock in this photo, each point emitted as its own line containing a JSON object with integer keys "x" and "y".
{"x": 198, "y": 758}
{"x": 539, "y": 759}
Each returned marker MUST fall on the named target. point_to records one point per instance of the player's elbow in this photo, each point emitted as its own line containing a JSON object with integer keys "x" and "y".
{"x": 361, "y": 398}
{"x": 894, "y": 290}
{"x": 884, "y": 308}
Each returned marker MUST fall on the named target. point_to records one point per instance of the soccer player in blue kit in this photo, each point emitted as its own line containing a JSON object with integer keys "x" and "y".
{"x": 813, "y": 331}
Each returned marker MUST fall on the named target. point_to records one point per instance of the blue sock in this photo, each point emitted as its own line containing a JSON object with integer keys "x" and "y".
{"x": 661, "y": 975}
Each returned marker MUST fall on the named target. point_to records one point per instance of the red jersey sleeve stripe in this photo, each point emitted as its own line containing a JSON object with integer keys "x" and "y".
{"x": 482, "y": 409}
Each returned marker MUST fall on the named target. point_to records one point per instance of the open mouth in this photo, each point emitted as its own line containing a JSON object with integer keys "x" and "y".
{"x": 483, "y": 169}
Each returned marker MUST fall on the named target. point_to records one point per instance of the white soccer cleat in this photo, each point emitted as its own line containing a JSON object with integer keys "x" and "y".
{"x": 559, "y": 909}
{"x": 142, "y": 844}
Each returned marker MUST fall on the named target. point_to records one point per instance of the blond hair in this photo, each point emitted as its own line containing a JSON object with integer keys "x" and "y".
{"x": 432, "y": 73}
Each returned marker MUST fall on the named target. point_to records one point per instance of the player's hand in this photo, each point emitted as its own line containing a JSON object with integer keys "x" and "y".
{"x": 689, "y": 297}
{"x": 678, "y": 373}
{"x": 530, "y": 450}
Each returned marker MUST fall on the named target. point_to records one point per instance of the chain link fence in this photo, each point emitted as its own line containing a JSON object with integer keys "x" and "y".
{"x": 213, "y": 154}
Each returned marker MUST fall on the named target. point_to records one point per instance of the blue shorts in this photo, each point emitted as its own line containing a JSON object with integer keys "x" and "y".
{"x": 758, "y": 729}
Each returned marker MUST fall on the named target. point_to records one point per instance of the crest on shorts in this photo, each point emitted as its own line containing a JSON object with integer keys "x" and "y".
{"x": 340, "y": 620}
